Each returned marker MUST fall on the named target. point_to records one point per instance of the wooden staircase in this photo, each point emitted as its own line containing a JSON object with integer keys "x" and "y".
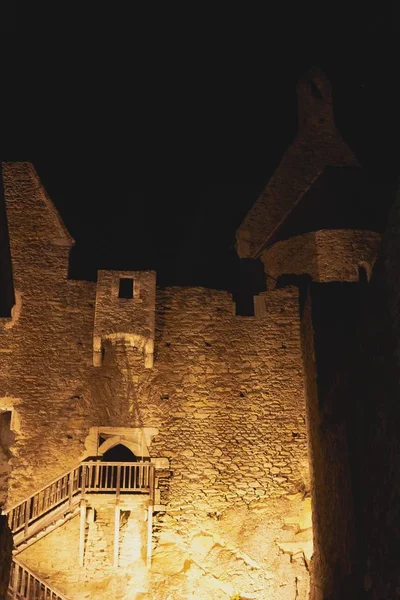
{"x": 61, "y": 500}
{"x": 25, "y": 585}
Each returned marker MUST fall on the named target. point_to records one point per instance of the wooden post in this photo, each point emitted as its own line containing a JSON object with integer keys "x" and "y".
{"x": 70, "y": 486}
{"x": 118, "y": 486}
{"x": 150, "y": 515}
{"x": 83, "y": 480}
{"x": 149, "y": 533}
{"x": 27, "y": 514}
{"x": 15, "y": 580}
{"x": 82, "y": 532}
{"x": 97, "y": 475}
{"x": 116, "y": 533}
{"x": 28, "y": 585}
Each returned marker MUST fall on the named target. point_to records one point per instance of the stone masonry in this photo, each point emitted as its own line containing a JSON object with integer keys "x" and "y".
{"x": 225, "y": 394}
{"x": 231, "y": 410}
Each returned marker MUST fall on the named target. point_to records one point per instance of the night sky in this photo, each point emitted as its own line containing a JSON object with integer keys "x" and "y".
{"x": 154, "y": 135}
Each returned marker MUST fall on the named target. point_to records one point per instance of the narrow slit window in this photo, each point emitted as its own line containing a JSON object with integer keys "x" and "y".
{"x": 6, "y": 435}
{"x": 125, "y": 288}
{"x": 362, "y": 274}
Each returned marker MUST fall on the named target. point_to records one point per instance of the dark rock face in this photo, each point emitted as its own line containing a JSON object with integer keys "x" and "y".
{"x": 6, "y": 546}
{"x": 376, "y": 389}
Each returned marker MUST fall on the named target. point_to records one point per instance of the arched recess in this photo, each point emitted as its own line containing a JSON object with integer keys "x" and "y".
{"x": 101, "y": 439}
{"x": 113, "y": 442}
{"x": 364, "y": 271}
{"x": 120, "y": 453}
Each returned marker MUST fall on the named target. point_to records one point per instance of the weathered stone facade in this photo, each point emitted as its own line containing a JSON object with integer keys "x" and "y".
{"x": 237, "y": 414}
{"x": 313, "y": 227}
{"x": 224, "y": 396}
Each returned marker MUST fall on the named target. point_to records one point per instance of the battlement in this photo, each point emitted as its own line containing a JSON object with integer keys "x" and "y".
{"x": 125, "y": 310}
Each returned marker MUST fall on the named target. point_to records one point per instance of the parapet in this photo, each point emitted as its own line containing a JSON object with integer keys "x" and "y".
{"x": 125, "y": 310}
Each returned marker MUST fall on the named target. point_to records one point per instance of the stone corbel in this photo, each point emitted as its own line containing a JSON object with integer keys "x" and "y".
{"x": 97, "y": 351}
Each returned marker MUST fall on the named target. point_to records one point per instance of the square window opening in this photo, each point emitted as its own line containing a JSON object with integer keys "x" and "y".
{"x": 125, "y": 288}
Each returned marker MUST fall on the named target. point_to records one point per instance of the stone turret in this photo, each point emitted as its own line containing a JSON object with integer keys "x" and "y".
{"x": 125, "y": 310}
{"x": 317, "y": 145}
{"x": 313, "y": 216}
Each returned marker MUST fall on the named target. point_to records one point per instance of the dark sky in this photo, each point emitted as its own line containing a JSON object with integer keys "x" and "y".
{"x": 154, "y": 134}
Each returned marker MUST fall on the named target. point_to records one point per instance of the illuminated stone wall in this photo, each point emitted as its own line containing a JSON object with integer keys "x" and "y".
{"x": 316, "y": 226}
{"x": 130, "y": 319}
{"x": 331, "y": 255}
{"x": 47, "y": 344}
{"x": 225, "y": 393}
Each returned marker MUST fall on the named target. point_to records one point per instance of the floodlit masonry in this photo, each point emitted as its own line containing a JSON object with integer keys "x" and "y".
{"x": 154, "y": 444}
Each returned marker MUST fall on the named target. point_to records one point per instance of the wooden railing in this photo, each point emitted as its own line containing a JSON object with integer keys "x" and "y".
{"x": 58, "y": 498}
{"x": 25, "y": 585}
{"x": 67, "y": 490}
{"x": 58, "y": 492}
{"x": 117, "y": 477}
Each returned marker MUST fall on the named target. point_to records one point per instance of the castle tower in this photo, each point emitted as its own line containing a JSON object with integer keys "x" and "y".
{"x": 313, "y": 217}
{"x": 314, "y": 227}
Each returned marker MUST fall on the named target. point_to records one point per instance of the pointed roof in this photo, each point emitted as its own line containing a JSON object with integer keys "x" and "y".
{"x": 26, "y": 198}
{"x": 318, "y": 144}
{"x": 340, "y": 198}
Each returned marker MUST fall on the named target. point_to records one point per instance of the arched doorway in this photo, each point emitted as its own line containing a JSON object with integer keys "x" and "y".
{"x": 119, "y": 453}
{"x": 118, "y": 458}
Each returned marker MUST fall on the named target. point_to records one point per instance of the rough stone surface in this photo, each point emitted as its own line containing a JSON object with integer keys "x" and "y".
{"x": 128, "y": 319}
{"x": 217, "y": 558}
{"x": 325, "y": 345}
{"x": 324, "y": 255}
{"x": 225, "y": 393}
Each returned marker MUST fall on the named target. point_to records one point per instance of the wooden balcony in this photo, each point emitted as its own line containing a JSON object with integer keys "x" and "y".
{"x": 63, "y": 495}
{"x": 64, "y": 498}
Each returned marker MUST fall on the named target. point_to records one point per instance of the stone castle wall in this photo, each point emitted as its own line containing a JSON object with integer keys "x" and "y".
{"x": 129, "y": 319}
{"x": 326, "y": 255}
{"x": 225, "y": 393}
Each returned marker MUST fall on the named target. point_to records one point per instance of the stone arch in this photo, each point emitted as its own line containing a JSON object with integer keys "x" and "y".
{"x": 364, "y": 267}
{"x": 132, "y": 445}
{"x": 136, "y": 439}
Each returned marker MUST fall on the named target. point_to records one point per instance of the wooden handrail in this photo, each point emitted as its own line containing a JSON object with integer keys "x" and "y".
{"x": 87, "y": 477}
{"x": 40, "y": 490}
{"x": 31, "y": 514}
{"x": 24, "y": 585}
{"x": 56, "y": 479}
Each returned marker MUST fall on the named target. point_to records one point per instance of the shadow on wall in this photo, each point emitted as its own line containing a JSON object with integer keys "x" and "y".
{"x": 119, "y": 453}
{"x": 6, "y": 546}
